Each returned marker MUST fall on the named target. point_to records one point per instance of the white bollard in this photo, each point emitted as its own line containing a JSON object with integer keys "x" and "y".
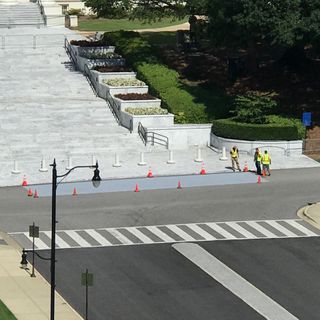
{"x": 93, "y": 160}
{"x": 43, "y": 167}
{"x": 69, "y": 163}
{"x": 224, "y": 154}
{"x": 199, "y": 157}
{"x": 117, "y": 163}
{"x": 15, "y": 169}
{"x": 142, "y": 162}
{"x": 171, "y": 161}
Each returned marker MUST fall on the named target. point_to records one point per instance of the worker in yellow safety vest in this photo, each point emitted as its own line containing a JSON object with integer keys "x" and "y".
{"x": 234, "y": 152}
{"x": 257, "y": 160}
{"x": 266, "y": 162}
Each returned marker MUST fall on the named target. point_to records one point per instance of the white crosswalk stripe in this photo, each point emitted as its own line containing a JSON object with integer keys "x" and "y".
{"x": 210, "y": 231}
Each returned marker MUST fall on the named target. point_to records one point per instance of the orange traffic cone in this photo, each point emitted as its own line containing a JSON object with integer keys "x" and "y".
{"x": 74, "y": 192}
{"x": 179, "y": 185}
{"x": 149, "y": 175}
{"x": 245, "y": 169}
{"x": 137, "y": 188}
{"x": 259, "y": 180}
{"x": 36, "y": 194}
{"x": 24, "y": 181}
{"x": 203, "y": 170}
{"x": 30, "y": 194}
{"x": 263, "y": 173}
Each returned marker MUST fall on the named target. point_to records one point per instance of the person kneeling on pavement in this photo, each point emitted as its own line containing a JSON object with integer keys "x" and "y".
{"x": 234, "y": 152}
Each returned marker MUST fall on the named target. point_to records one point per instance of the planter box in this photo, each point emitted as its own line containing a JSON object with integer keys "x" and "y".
{"x": 147, "y": 121}
{"x": 83, "y": 50}
{"x": 81, "y": 62}
{"x": 123, "y": 104}
{"x": 99, "y": 76}
{"x": 104, "y": 90}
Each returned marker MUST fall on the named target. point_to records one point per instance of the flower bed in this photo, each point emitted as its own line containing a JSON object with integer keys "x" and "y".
{"x": 81, "y": 62}
{"x": 146, "y": 111}
{"x": 112, "y": 69}
{"x": 135, "y": 96}
{"x": 99, "y": 55}
{"x": 86, "y": 43}
{"x": 123, "y": 82}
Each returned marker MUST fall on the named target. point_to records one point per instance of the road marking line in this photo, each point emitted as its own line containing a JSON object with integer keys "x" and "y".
{"x": 137, "y": 233}
{"x": 241, "y": 230}
{"x": 98, "y": 237}
{"x": 280, "y": 228}
{"x": 59, "y": 241}
{"x": 261, "y": 229}
{"x": 78, "y": 239}
{"x": 220, "y": 230}
{"x": 37, "y": 242}
{"x": 301, "y": 228}
{"x": 239, "y": 286}
{"x": 159, "y": 233}
{"x": 182, "y": 234}
{"x": 119, "y": 236}
{"x": 197, "y": 229}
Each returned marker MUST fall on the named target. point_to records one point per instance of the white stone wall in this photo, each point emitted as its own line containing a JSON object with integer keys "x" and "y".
{"x": 123, "y": 104}
{"x": 248, "y": 147}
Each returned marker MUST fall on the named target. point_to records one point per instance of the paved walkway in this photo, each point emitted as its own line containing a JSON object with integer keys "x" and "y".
{"x": 27, "y": 298}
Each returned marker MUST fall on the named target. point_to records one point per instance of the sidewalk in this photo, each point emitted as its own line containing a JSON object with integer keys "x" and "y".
{"x": 27, "y": 298}
{"x": 311, "y": 214}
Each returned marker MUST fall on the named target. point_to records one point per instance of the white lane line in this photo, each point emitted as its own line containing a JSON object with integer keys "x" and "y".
{"x": 239, "y": 286}
{"x": 98, "y": 237}
{"x": 137, "y": 233}
{"x": 241, "y": 230}
{"x": 37, "y": 242}
{"x": 221, "y": 231}
{"x": 119, "y": 236}
{"x": 180, "y": 232}
{"x": 261, "y": 229}
{"x": 301, "y": 228}
{"x": 78, "y": 239}
{"x": 204, "y": 234}
{"x": 59, "y": 241}
{"x": 282, "y": 229}
{"x": 160, "y": 234}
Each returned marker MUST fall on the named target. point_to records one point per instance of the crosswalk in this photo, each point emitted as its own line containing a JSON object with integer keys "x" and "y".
{"x": 171, "y": 233}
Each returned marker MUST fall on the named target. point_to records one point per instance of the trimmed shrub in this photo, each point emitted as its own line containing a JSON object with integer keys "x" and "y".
{"x": 163, "y": 82}
{"x": 278, "y": 128}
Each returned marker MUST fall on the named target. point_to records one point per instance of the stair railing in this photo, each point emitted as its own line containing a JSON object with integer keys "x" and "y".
{"x": 152, "y": 137}
{"x": 43, "y": 14}
{"x": 90, "y": 79}
{"x": 70, "y": 53}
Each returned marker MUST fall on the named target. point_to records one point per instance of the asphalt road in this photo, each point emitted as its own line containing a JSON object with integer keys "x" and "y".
{"x": 156, "y": 282}
{"x": 278, "y": 197}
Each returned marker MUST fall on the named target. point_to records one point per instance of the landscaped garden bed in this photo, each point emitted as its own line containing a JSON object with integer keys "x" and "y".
{"x": 135, "y": 96}
{"x": 92, "y": 55}
{"x": 86, "y": 43}
{"x": 116, "y": 61}
{"x": 112, "y": 69}
{"x": 120, "y": 82}
{"x": 146, "y": 111}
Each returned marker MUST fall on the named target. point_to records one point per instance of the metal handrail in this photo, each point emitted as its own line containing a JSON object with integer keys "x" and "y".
{"x": 152, "y": 137}
{"x": 90, "y": 79}
{"x": 70, "y": 53}
{"x": 43, "y": 14}
{"x": 114, "y": 109}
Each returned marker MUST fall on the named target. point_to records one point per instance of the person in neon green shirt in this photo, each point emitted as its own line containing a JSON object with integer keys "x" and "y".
{"x": 266, "y": 162}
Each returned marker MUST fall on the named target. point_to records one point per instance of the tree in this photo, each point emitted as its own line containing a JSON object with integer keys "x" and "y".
{"x": 289, "y": 24}
{"x": 146, "y": 9}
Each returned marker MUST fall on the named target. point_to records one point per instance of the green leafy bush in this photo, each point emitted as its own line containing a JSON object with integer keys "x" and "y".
{"x": 277, "y": 128}
{"x": 146, "y": 111}
{"x": 253, "y": 108}
{"x": 163, "y": 82}
{"x": 75, "y": 12}
{"x": 123, "y": 82}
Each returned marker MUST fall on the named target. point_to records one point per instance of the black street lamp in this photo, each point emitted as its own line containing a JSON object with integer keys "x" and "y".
{"x": 96, "y": 182}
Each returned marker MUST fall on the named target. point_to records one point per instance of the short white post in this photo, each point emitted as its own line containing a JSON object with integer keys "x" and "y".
{"x": 171, "y": 161}
{"x": 15, "y": 167}
{"x": 199, "y": 157}
{"x": 117, "y": 163}
{"x": 93, "y": 160}
{"x": 69, "y": 163}
{"x": 43, "y": 167}
{"x": 142, "y": 162}
{"x": 224, "y": 154}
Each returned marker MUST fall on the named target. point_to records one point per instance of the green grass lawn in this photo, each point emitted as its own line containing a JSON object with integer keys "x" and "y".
{"x": 91, "y": 24}
{"x": 5, "y": 313}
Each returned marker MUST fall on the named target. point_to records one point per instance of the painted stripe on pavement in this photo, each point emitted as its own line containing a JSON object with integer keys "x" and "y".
{"x": 98, "y": 237}
{"x": 118, "y": 235}
{"x": 137, "y": 233}
{"x": 261, "y": 229}
{"x": 280, "y": 228}
{"x": 159, "y": 233}
{"x": 38, "y": 242}
{"x": 206, "y": 235}
{"x": 180, "y": 232}
{"x": 241, "y": 230}
{"x": 220, "y": 230}
{"x": 301, "y": 228}
{"x": 239, "y": 286}
{"x": 75, "y": 236}
{"x": 59, "y": 241}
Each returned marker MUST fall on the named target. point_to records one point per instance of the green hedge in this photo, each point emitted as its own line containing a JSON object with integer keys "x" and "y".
{"x": 279, "y": 129}
{"x": 162, "y": 81}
